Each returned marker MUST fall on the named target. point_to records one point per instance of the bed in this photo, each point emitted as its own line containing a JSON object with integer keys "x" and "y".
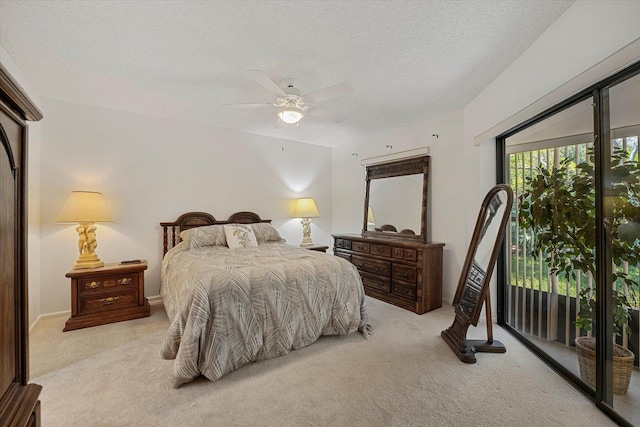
{"x": 235, "y": 296}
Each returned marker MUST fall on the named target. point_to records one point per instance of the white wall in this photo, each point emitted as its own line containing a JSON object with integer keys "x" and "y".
{"x": 152, "y": 170}
{"x": 446, "y": 209}
{"x": 463, "y": 172}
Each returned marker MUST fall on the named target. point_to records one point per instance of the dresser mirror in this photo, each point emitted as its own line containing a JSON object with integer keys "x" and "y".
{"x": 473, "y": 287}
{"x": 396, "y": 199}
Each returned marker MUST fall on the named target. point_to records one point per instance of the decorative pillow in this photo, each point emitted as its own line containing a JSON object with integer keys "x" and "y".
{"x": 210, "y": 235}
{"x": 240, "y": 236}
{"x": 266, "y": 233}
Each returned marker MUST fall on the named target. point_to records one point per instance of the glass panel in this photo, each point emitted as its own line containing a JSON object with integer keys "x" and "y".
{"x": 395, "y": 204}
{"x": 622, "y": 219}
{"x": 552, "y": 233}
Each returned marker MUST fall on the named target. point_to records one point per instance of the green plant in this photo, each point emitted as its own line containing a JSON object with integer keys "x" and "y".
{"x": 559, "y": 205}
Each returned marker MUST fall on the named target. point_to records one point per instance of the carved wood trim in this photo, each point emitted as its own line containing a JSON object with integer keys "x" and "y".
{"x": 398, "y": 168}
{"x": 171, "y": 230}
{"x": 17, "y": 97}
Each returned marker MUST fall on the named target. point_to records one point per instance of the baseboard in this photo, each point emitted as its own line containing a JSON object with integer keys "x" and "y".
{"x": 65, "y": 313}
{"x": 153, "y": 300}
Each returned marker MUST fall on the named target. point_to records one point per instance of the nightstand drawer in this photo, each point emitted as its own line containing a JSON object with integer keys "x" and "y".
{"x": 107, "y": 301}
{"x": 111, "y": 283}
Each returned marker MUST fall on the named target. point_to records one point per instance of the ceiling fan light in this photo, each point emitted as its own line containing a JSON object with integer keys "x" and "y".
{"x": 290, "y": 115}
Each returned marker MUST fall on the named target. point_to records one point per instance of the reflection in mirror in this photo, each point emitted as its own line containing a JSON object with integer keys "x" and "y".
{"x": 395, "y": 201}
{"x": 473, "y": 287}
{"x": 488, "y": 235}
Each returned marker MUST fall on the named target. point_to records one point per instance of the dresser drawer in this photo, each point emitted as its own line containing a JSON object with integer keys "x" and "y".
{"x": 107, "y": 301}
{"x": 376, "y": 282}
{"x": 405, "y": 290}
{"x": 404, "y": 272}
{"x": 382, "y": 250}
{"x": 343, "y": 244}
{"x": 344, "y": 255}
{"x": 107, "y": 284}
{"x": 360, "y": 247}
{"x": 405, "y": 254}
{"x": 382, "y": 268}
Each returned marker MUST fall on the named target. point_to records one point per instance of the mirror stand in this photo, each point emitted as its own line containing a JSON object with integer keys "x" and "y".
{"x": 473, "y": 288}
{"x": 466, "y": 349}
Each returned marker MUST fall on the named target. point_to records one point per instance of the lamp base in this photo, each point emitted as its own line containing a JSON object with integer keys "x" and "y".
{"x": 88, "y": 261}
{"x": 306, "y": 233}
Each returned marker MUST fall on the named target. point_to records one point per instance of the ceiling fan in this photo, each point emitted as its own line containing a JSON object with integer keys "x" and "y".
{"x": 291, "y": 104}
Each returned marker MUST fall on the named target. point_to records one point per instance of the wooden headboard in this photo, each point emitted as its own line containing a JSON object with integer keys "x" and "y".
{"x": 171, "y": 230}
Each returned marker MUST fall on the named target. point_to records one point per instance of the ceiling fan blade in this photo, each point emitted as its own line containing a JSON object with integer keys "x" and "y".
{"x": 238, "y": 106}
{"x": 328, "y": 92}
{"x": 325, "y": 115}
{"x": 266, "y": 82}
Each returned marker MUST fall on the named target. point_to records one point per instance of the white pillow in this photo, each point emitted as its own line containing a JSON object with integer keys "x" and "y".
{"x": 266, "y": 233}
{"x": 210, "y": 235}
{"x": 240, "y": 236}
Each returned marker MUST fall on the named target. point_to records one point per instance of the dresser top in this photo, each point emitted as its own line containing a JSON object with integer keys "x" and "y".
{"x": 390, "y": 240}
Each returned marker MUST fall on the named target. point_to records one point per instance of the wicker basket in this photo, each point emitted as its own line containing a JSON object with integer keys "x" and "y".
{"x": 622, "y": 364}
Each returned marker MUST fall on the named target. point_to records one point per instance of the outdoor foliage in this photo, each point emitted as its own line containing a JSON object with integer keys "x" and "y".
{"x": 559, "y": 205}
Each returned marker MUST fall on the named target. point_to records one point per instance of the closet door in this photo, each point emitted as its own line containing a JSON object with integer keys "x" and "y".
{"x": 11, "y": 316}
{"x": 19, "y": 405}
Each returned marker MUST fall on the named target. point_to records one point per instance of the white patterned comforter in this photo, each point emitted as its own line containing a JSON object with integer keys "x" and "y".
{"x": 230, "y": 307}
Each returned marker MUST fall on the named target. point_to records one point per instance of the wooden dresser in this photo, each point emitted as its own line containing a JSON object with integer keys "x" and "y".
{"x": 404, "y": 273}
{"x": 19, "y": 404}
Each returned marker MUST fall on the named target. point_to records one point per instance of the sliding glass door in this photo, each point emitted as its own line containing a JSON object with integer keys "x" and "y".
{"x": 621, "y": 217}
{"x": 569, "y": 276}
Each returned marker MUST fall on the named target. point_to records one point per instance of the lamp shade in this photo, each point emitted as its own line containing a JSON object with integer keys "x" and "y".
{"x": 290, "y": 115}
{"x": 370, "y": 217}
{"x": 84, "y": 207}
{"x": 305, "y": 208}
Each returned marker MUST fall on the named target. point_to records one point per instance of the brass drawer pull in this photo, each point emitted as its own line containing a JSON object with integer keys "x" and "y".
{"x": 109, "y": 300}
{"x": 92, "y": 285}
{"x": 124, "y": 281}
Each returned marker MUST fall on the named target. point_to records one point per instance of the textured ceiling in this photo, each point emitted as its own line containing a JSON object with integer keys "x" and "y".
{"x": 406, "y": 60}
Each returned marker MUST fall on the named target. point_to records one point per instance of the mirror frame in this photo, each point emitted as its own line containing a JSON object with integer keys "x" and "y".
{"x": 410, "y": 166}
{"x": 473, "y": 247}
{"x": 455, "y": 335}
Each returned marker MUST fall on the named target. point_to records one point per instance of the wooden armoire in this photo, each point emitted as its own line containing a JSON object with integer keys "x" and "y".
{"x": 19, "y": 404}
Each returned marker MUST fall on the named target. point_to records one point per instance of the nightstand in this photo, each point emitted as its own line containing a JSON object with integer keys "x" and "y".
{"x": 318, "y": 248}
{"x": 107, "y": 294}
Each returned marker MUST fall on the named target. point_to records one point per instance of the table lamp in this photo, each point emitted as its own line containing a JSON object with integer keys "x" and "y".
{"x": 306, "y": 208}
{"x": 85, "y": 208}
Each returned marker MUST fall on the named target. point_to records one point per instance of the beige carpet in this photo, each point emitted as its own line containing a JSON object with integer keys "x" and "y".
{"x": 405, "y": 375}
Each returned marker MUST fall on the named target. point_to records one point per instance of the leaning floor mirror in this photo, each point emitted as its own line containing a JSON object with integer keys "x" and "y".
{"x": 473, "y": 286}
